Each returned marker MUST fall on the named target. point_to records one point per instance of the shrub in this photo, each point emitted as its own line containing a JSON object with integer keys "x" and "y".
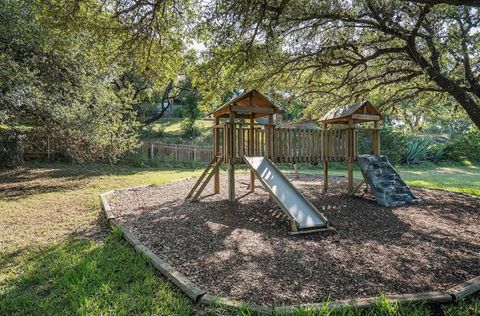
{"x": 153, "y": 131}
{"x": 189, "y": 129}
{"x": 437, "y": 154}
{"x": 393, "y": 144}
{"x": 10, "y": 148}
{"x": 135, "y": 158}
{"x": 467, "y": 147}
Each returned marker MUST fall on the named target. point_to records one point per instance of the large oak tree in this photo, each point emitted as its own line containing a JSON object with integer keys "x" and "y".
{"x": 342, "y": 50}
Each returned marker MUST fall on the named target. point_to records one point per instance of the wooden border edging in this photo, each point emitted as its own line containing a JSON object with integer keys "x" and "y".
{"x": 200, "y": 296}
{"x": 106, "y": 206}
{"x": 435, "y": 297}
{"x": 177, "y": 278}
{"x": 213, "y": 300}
{"x": 465, "y": 289}
{"x": 181, "y": 281}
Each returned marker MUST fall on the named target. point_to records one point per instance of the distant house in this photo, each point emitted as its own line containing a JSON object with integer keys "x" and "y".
{"x": 174, "y": 110}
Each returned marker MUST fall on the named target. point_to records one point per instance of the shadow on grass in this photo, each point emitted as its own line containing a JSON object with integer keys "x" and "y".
{"x": 84, "y": 277}
{"x": 35, "y": 179}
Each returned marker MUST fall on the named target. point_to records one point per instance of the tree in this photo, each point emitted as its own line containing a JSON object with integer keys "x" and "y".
{"x": 56, "y": 83}
{"x": 81, "y": 70}
{"x": 337, "y": 51}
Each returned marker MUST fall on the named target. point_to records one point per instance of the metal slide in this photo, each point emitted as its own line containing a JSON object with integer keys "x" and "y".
{"x": 304, "y": 215}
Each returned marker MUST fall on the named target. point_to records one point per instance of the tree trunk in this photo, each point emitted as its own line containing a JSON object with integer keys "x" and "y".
{"x": 460, "y": 95}
{"x": 469, "y": 105}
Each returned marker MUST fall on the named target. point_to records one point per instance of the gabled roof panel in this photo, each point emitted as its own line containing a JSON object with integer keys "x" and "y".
{"x": 246, "y": 104}
{"x": 359, "y": 112}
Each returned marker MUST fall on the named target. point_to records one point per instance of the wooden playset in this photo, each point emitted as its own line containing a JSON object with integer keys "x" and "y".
{"x": 244, "y": 133}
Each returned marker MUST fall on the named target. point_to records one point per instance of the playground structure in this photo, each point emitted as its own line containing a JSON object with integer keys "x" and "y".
{"x": 239, "y": 138}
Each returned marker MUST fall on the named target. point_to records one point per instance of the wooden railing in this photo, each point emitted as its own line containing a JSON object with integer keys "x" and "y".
{"x": 288, "y": 145}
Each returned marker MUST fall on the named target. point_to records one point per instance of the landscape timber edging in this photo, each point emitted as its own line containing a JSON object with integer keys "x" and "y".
{"x": 465, "y": 289}
{"x": 198, "y": 295}
{"x": 181, "y": 281}
{"x": 434, "y": 297}
{"x": 213, "y": 300}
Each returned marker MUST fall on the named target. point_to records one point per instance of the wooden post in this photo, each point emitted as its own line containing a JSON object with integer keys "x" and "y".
{"x": 216, "y": 179}
{"x": 269, "y": 138}
{"x": 295, "y": 168}
{"x": 251, "y": 150}
{"x": 349, "y": 132}
{"x": 233, "y": 156}
{"x": 325, "y": 176}
{"x": 325, "y": 159}
{"x": 376, "y": 139}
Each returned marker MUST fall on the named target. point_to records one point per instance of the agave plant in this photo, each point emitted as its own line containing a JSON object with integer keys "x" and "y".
{"x": 416, "y": 150}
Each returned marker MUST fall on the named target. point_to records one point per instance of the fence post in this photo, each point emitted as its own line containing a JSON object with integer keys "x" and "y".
{"x": 151, "y": 151}
{"x": 195, "y": 154}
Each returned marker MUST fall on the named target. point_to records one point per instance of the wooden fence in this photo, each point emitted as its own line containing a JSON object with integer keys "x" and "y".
{"x": 174, "y": 152}
{"x": 50, "y": 148}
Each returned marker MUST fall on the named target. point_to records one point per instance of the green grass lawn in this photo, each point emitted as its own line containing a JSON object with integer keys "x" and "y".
{"x": 451, "y": 177}
{"x": 170, "y": 131}
{"x": 59, "y": 257}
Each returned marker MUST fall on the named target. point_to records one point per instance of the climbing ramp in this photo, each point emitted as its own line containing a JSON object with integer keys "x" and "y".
{"x": 304, "y": 215}
{"x": 385, "y": 182}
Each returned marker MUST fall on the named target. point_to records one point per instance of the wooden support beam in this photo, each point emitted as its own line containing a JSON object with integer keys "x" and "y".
{"x": 350, "y": 157}
{"x": 350, "y": 177}
{"x": 271, "y": 128}
{"x": 358, "y": 187}
{"x": 233, "y": 155}
{"x": 251, "y": 150}
{"x": 325, "y": 176}
{"x": 205, "y": 172}
{"x": 376, "y": 139}
{"x": 204, "y": 184}
{"x": 231, "y": 182}
{"x": 216, "y": 148}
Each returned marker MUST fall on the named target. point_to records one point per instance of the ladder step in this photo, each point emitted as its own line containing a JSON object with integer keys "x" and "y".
{"x": 212, "y": 163}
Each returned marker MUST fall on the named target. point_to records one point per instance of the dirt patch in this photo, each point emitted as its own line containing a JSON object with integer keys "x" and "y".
{"x": 242, "y": 250}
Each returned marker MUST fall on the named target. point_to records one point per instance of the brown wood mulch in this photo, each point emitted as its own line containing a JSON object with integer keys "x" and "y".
{"x": 243, "y": 251}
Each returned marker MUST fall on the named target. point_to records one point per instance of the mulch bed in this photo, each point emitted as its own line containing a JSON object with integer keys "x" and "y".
{"x": 242, "y": 250}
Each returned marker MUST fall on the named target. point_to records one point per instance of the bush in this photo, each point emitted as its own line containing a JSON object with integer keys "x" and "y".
{"x": 189, "y": 129}
{"x": 135, "y": 158}
{"x": 467, "y": 147}
{"x": 393, "y": 144}
{"x": 437, "y": 153}
{"x": 152, "y": 132}
{"x": 10, "y": 148}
